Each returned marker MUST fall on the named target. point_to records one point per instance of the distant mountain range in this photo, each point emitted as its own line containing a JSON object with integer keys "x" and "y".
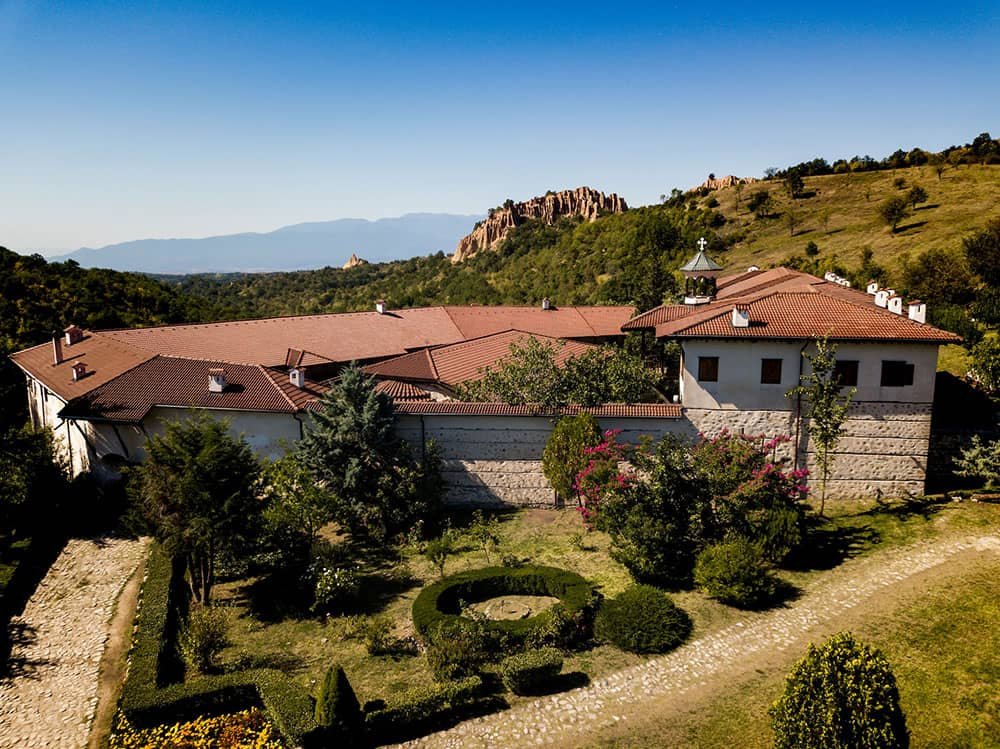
{"x": 305, "y": 246}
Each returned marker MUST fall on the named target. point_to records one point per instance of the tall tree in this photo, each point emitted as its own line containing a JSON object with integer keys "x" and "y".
{"x": 894, "y": 210}
{"x": 983, "y": 252}
{"x": 198, "y": 487}
{"x": 350, "y": 446}
{"x": 827, "y": 405}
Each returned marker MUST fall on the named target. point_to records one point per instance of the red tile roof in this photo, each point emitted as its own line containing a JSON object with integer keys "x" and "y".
{"x": 462, "y": 362}
{"x": 402, "y": 391}
{"x": 785, "y": 303}
{"x": 558, "y": 322}
{"x": 167, "y": 381}
{"x": 803, "y": 315}
{"x": 105, "y": 358}
{"x": 610, "y": 410}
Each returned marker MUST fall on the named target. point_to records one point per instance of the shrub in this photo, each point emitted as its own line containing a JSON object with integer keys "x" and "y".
{"x": 459, "y": 649}
{"x": 642, "y": 619}
{"x": 335, "y": 588}
{"x": 443, "y": 601}
{"x": 204, "y": 637}
{"x": 841, "y": 694}
{"x": 563, "y": 457}
{"x": 338, "y": 712}
{"x": 735, "y": 572}
{"x": 245, "y": 728}
{"x": 524, "y": 672}
{"x": 418, "y": 710}
{"x": 149, "y": 696}
{"x": 981, "y": 460}
{"x": 437, "y": 552}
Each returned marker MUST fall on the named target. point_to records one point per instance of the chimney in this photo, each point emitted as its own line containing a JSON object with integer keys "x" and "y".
{"x": 297, "y": 377}
{"x": 74, "y": 334}
{"x": 882, "y": 297}
{"x": 216, "y": 380}
{"x": 918, "y": 311}
{"x": 79, "y": 371}
{"x": 741, "y": 317}
{"x": 380, "y": 306}
{"x": 753, "y": 269}
{"x": 56, "y": 349}
{"x": 546, "y": 304}
{"x": 873, "y": 287}
{"x": 830, "y": 276}
{"x": 895, "y": 304}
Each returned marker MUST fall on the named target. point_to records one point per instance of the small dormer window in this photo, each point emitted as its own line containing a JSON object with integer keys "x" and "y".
{"x": 74, "y": 334}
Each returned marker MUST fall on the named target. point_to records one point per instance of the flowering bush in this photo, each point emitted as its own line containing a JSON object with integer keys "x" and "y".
{"x": 603, "y": 475}
{"x": 248, "y": 729}
{"x": 335, "y": 587}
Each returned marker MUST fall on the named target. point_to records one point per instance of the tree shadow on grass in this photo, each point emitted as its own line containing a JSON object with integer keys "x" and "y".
{"x": 925, "y": 507}
{"x": 828, "y": 547}
{"x": 906, "y": 227}
{"x": 557, "y": 684}
{"x": 379, "y": 589}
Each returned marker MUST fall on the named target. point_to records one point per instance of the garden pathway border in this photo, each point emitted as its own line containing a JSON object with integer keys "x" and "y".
{"x": 50, "y": 695}
{"x": 573, "y": 715}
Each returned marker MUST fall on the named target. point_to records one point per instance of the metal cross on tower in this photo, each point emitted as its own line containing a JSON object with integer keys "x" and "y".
{"x": 702, "y": 244}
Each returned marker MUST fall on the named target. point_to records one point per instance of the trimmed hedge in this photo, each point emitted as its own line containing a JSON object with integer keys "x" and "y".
{"x": 411, "y": 712}
{"x": 524, "y": 672}
{"x": 152, "y": 693}
{"x": 642, "y": 619}
{"x": 440, "y": 603}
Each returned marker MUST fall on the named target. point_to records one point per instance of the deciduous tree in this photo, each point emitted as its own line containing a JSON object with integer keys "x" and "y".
{"x": 894, "y": 210}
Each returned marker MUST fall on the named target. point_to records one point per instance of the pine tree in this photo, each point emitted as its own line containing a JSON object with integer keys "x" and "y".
{"x": 350, "y": 447}
{"x": 338, "y": 712}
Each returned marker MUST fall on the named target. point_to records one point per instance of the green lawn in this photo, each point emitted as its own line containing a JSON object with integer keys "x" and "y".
{"x": 944, "y": 647}
{"x": 304, "y": 647}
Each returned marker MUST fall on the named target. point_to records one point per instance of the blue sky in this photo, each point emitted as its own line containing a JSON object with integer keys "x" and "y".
{"x": 130, "y": 120}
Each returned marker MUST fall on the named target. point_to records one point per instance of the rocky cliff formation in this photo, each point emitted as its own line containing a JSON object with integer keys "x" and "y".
{"x": 354, "y": 261}
{"x": 713, "y": 183}
{"x": 548, "y": 208}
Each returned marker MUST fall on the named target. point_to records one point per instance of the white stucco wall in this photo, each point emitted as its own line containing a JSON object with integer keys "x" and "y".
{"x": 739, "y": 386}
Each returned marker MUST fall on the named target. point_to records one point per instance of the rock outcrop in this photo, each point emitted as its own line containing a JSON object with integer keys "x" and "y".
{"x": 549, "y": 208}
{"x": 713, "y": 183}
{"x": 354, "y": 261}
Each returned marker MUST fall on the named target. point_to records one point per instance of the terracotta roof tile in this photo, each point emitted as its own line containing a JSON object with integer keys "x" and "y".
{"x": 167, "y": 381}
{"x": 105, "y": 357}
{"x": 610, "y": 410}
{"x": 300, "y": 398}
{"x": 462, "y": 362}
{"x": 803, "y": 315}
{"x": 558, "y": 322}
{"x": 402, "y": 391}
{"x": 787, "y": 303}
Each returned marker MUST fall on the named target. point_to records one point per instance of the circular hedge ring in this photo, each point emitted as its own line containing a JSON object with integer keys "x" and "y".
{"x": 441, "y": 602}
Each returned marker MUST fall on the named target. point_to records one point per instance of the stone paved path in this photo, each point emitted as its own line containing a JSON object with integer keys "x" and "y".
{"x": 562, "y": 718}
{"x": 50, "y": 696}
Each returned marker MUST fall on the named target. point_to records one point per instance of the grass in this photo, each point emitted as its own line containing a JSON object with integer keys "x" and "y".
{"x": 943, "y": 645}
{"x": 841, "y": 216}
{"x": 304, "y": 646}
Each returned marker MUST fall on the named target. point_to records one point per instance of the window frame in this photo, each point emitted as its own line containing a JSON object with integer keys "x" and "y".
{"x": 838, "y": 374}
{"x": 764, "y": 362}
{"x": 711, "y": 362}
{"x": 899, "y": 366}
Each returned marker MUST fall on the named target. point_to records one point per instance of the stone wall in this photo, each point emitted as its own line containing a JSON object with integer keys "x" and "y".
{"x": 496, "y": 460}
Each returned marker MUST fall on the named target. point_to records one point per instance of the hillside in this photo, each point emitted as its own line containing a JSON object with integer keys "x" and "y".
{"x": 299, "y": 246}
{"x": 841, "y": 216}
{"x": 39, "y": 297}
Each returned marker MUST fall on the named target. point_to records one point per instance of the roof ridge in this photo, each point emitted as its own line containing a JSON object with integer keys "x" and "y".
{"x": 270, "y": 377}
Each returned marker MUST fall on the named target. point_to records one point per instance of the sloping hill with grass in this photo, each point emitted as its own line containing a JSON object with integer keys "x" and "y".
{"x": 840, "y": 214}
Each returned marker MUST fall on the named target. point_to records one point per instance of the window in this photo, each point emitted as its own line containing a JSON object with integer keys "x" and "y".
{"x": 845, "y": 372}
{"x": 770, "y": 371}
{"x": 896, "y": 374}
{"x": 708, "y": 369}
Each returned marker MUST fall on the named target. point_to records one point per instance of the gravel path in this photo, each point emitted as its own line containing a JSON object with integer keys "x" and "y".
{"x": 49, "y": 698}
{"x": 564, "y": 717}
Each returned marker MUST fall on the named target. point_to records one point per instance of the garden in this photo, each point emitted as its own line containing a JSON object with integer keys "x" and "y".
{"x": 333, "y": 596}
